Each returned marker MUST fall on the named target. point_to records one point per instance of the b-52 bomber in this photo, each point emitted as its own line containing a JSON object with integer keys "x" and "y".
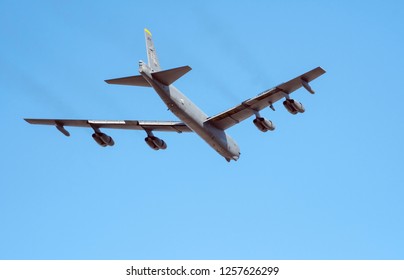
{"x": 212, "y": 129}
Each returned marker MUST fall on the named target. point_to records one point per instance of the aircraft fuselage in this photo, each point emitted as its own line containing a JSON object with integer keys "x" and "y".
{"x": 192, "y": 116}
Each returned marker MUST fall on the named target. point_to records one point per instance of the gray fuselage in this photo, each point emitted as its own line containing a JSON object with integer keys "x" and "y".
{"x": 192, "y": 116}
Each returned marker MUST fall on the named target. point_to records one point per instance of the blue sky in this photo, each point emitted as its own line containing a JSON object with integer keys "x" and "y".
{"x": 326, "y": 184}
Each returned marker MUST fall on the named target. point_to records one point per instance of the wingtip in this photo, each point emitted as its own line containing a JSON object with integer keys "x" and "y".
{"x": 110, "y": 81}
{"x": 147, "y": 31}
{"x": 322, "y": 69}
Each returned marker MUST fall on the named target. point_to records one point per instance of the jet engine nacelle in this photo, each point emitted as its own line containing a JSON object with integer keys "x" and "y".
{"x": 263, "y": 124}
{"x": 293, "y": 106}
{"x": 103, "y": 139}
{"x": 155, "y": 143}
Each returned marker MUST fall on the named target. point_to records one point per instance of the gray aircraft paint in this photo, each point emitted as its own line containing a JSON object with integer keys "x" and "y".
{"x": 210, "y": 129}
{"x": 192, "y": 116}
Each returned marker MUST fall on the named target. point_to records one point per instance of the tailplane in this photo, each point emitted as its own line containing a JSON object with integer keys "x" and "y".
{"x": 129, "y": 81}
{"x": 167, "y": 77}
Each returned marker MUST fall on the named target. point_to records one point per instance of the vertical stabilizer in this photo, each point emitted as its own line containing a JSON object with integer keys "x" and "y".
{"x": 153, "y": 61}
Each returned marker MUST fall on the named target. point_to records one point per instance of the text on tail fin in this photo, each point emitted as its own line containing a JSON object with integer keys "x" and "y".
{"x": 152, "y": 58}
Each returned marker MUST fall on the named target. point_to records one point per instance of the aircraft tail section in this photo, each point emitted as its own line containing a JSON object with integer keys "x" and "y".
{"x": 152, "y": 58}
{"x": 167, "y": 77}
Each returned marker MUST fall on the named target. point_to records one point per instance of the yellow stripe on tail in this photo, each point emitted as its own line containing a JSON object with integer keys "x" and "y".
{"x": 147, "y": 31}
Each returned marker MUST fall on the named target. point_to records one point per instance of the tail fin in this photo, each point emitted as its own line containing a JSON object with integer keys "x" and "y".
{"x": 153, "y": 60}
{"x": 166, "y": 77}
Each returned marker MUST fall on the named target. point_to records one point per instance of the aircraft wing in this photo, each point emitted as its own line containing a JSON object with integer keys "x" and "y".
{"x": 248, "y": 107}
{"x": 118, "y": 124}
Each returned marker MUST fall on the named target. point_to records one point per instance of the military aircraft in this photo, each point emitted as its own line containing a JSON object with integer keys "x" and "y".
{"x": 211, "y": 129}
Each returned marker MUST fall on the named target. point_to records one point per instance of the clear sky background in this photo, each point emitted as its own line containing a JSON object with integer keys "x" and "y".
{"x": 326, "y": 184}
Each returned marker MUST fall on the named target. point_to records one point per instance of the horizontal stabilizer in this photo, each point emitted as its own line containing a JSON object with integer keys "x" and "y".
{"x": 129, "y": 81}
{"x": 167, "y": 77}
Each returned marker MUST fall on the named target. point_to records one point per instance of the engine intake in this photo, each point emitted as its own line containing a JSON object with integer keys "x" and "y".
{"x": 293, "y": 106}
{"x": 103, "y": 139}
{"x": 263, "y": 124}
{"x": 155, "y": 143}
